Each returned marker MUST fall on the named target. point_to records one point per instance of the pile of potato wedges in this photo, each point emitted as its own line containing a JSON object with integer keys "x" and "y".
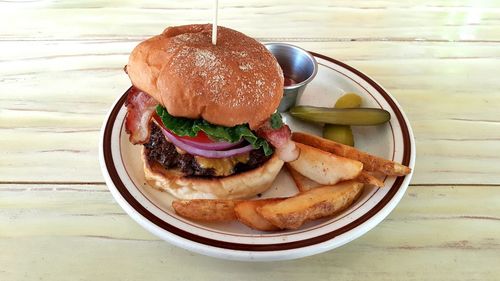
{"x": 329, "y": 177}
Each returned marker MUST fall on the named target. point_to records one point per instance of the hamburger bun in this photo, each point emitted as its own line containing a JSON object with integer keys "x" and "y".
{"x": 242, "y": 185}
{"x": 234, "y": 82}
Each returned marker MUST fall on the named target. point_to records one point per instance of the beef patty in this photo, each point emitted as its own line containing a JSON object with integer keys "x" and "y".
{"x": 164, "y": 152}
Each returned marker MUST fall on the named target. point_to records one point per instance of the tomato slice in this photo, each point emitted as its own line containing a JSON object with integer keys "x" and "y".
{"x": 201, "y": 137}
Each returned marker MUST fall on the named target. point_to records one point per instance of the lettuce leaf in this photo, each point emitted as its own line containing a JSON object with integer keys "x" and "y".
{"x": 276, "y": 120}
{"x": 190, "y": 127}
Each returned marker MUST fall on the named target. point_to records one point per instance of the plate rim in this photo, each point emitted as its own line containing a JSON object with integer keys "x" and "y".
{"x": 287, "y": 250}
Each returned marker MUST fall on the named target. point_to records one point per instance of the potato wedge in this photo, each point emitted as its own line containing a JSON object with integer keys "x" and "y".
{"x": 366, "y": 178}
{"x": 324, "y": 167}
{"x": 205, "y": 209}
{"x": 246, "y": 212}
{"x": 313, "y": 204}
{"x": 303, "y": 184}
{"x": 370, "y": 162}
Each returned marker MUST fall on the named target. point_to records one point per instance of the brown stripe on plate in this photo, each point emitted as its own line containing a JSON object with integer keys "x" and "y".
{"x": 256, "y": 247}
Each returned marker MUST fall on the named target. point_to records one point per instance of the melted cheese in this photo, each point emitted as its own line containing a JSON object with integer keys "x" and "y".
{"x": 222, "y": 166}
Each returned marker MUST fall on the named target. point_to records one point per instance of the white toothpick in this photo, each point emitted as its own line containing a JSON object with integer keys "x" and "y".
{"x": 214, "y": 24}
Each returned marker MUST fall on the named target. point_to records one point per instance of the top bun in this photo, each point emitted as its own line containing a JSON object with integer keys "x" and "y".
{"x": 234, "y": 82}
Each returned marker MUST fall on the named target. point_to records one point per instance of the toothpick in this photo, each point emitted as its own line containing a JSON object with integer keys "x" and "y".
{"x": 214, "y": 24}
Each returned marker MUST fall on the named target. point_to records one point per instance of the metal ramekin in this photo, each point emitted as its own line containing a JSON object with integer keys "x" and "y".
{"x": 297, "y": 64}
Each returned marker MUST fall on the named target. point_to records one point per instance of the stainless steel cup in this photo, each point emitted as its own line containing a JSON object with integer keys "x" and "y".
{"x": 299, "y": 67}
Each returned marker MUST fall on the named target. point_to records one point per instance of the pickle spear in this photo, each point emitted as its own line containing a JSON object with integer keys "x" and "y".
{"x": 341, "y": 116}
{"x": 342, "y": 133}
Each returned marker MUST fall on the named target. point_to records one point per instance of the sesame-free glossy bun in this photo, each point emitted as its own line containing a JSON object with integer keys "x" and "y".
{"x": 234, "y": 82}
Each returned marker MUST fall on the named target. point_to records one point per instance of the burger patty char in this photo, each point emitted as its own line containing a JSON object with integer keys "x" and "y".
{"x": 165, "y": 153}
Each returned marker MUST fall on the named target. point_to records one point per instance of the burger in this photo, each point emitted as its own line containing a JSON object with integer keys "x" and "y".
{"x": 205, "y": 114}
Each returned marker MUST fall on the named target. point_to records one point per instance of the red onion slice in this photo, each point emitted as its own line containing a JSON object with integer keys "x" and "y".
{"x": 221, "y": 145}
{"x": 203, "y": 152}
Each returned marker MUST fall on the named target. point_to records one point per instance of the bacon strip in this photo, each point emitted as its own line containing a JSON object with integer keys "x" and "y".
{"x": 140, "y": 108}
{"x": 277, "y": 137}
{"x": 281, "y": 140}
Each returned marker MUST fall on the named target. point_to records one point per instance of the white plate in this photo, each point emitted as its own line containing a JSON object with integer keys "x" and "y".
{"x": 122, "y": 168}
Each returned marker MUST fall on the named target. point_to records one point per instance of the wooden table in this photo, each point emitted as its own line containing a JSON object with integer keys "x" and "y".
{"x": 61, "y": 68}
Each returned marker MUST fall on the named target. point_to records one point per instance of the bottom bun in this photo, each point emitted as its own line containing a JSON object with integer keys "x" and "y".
{"x": 242, "y": 185}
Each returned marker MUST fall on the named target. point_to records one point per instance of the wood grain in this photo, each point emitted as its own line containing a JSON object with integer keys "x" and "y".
{"x": 64, "y": 89}
{"x": 297, "y": 20}
{"x": 55, "y": 231}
